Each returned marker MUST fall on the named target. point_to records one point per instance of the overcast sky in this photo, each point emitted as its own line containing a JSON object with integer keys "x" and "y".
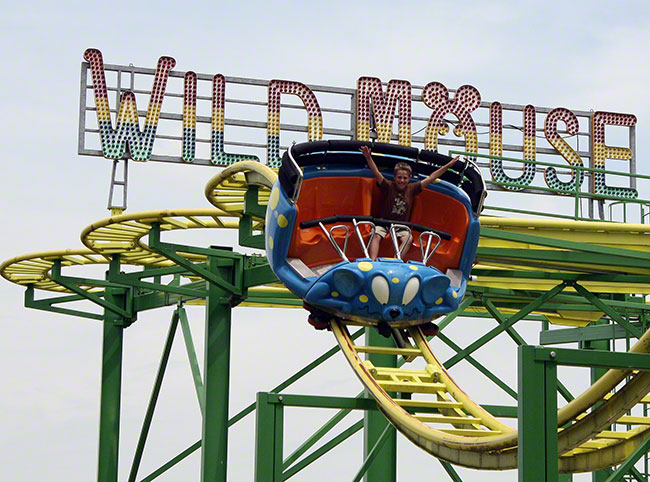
{"x": 583, "y": 55}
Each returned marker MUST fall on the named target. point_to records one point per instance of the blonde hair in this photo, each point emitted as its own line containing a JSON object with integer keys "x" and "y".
{"x": 402, "y": 166}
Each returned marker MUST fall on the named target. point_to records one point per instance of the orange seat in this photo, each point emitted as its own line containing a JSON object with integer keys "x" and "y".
{"x": 329, "y": 196}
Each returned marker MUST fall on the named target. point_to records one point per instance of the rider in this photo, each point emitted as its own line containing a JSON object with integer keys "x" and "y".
{"x": 397, "y": 198}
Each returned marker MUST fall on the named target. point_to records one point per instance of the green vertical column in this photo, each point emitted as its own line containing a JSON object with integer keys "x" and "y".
{"x": 214, "y": 454}
{"x": 384, "y": 466}
{"x": 269, "y": 435}
{"x": 109, "y": 411}
{"x": 596, "y": 373}
{"x": 537, "y": 413}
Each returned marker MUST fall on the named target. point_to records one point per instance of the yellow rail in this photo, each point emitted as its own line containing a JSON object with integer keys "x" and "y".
{"x": 446, "y": 422}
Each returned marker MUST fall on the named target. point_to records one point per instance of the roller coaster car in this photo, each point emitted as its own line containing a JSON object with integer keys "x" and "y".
{"x": 326, "y": 194}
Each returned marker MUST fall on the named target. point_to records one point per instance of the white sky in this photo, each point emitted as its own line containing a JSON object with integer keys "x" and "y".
{"x": 588, "y": 55}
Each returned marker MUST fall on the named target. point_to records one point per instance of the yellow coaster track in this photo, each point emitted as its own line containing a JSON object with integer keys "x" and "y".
{"x": 446, "y": 422}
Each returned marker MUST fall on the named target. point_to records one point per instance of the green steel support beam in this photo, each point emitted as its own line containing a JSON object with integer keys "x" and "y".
{"x": 561, "y": 276}
{"x": 109, "y": 412}
{"x": 320, "y": 401}
{"x": 249, "y": 409}
{"x": 325, "y": 448}
{"x": 375, "y": 424}
{"x": 170, "y": 251}
{"x": 476, "y": 364}
{"x": 570, "y": 257}
{"x": 532, "y": 306}
{"x": 596, "y": 373}
{"x": 47, "y": 305}
{"x": 312, "y": 401}
{"x": 214, "y": 456}
{"x": 124, "y": 311}
{"x": 252, "y": 208}
{"x": 501, "y": 410}
{"x": 153, "y": 399}
{"x": 586, "y": 334}
{"x": 153, "y": 300}
{"x": 537, "y": 405}
{"x": 127, "y": 279}
{"x": 316, "y": 436}
{"x": 387, "y": 434}
{"x": 191, "y": 356}
{"x": 453, "y": 475}
{"x": 467, "y": 301}
{"x": 537, "y": 451}
{"x": 602, "y": 306}
{"x": 258, "y": 272}
{"x": 517, "y": 338}
{"x": 165, "y": 467}
{"x": 578, "y": 247}
{"x": 268, "y": 440}
{"x": 501, "y": 319}
{"x": 636, "y": 474}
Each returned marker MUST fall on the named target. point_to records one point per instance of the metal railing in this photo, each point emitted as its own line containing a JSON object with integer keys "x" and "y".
{"x": 576, "y": 194}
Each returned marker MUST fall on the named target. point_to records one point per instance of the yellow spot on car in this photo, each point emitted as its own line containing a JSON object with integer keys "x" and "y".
{"x": 438, "y": 301}
{"x": 365, "y": 266}
{"x": 271, "y": 242}
{"x": 282, "y": 221}
{"x": 335, "y": 294}
{"x": 395, "y": 280}
{"x": 454, "y": 294}
{"x": 273, "y": 199}
{"x": 363, "y": 298}
{"x": 414, "y": 268}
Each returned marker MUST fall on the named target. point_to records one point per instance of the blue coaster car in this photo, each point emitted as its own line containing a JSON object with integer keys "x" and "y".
{"x": 322, "y": 214}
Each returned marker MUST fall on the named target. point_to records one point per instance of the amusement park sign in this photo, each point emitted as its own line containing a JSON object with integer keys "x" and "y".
{"x": 372, "y": 110}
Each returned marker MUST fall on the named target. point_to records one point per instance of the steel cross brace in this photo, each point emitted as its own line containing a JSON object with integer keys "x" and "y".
{"x": 526, "y": 310}
{"x": 135, "y": 280}
{"x": 517, "y": 338}
{"x": 72, "y": 283}
{"x": 47, "y": 305}
{"x": 170, "y": 251}
{"x": 597, "y": 302}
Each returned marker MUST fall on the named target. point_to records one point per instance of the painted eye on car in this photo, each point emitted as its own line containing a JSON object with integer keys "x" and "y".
{"x": 410, "y": 290}
{"x": 380, "y": 289}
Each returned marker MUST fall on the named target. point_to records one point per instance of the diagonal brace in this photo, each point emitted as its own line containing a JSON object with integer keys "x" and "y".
{"x": 47, "y": 305}
{"x": 498, "y": 316}
{"x": 153, "y": 399}
{"x": 526, "y": 310}
{"x": 598, "y": 303}
{"x": 170, "y": 251}
{"x": 71, "y": 283}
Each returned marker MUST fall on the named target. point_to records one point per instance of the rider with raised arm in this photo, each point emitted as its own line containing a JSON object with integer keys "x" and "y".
{"x": 397, "y": 198}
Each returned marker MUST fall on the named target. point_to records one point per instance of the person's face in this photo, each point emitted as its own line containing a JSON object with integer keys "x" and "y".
{"x": 402, "y": 179}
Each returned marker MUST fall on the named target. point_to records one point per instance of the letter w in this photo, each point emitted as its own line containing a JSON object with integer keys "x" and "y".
{"x": 127, "y": 131}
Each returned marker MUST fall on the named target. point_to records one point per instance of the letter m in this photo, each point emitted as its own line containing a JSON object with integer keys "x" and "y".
{"x": 369, "y": 90}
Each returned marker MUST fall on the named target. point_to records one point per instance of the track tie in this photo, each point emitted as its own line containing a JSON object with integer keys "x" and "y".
{"x": 470, "y": 432}
{"x": 610, "y": 434}
{"x": 410, "y": 387}
{"x": 446, "y": 419}
{"x": 385, "y": 350}
{"x": 630, "y": 420}
{"x": 594, "y": 444}
{"x": 427, "y": 404}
